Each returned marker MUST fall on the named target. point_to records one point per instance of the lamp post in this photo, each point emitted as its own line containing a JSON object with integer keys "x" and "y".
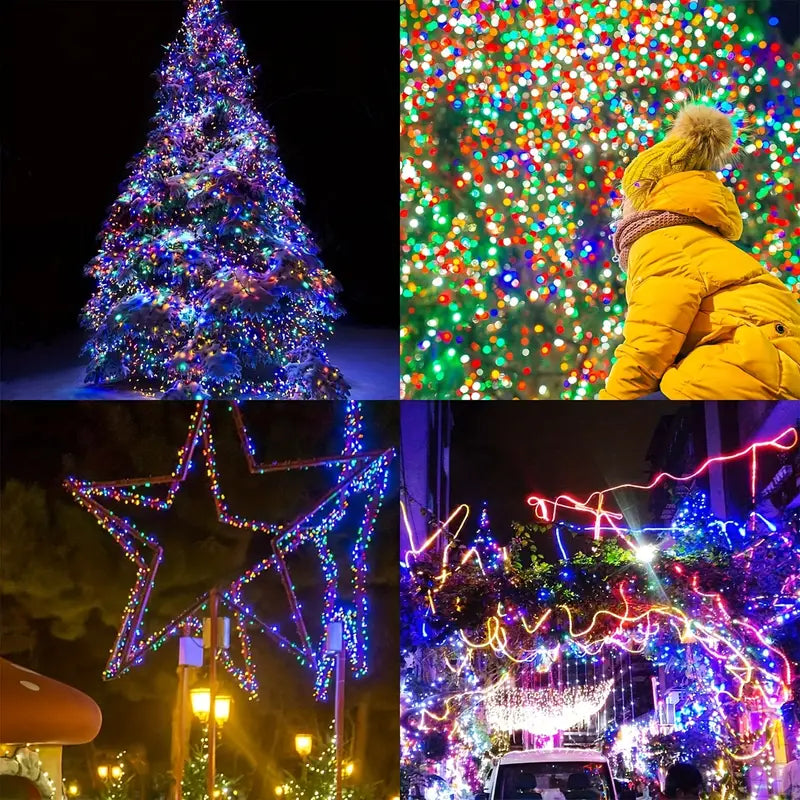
{"x": 109, "y": 772}
{"x": 335, "y": 645}
{"x": 190, "y": 655}
{"x": 303, "y": 744}
{"x": 211, "y": 708}
{"x": 213, "y": 602}
{"x": 207, "y": 704}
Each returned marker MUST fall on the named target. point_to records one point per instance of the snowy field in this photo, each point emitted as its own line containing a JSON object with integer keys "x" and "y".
{"x": 367, "y": 357}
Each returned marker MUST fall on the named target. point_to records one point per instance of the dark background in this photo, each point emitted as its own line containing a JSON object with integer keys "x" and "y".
{"x": 787, "y": 13}
{"x": 548, "y": 448}
{"x": 504, "y": 452}
{"x": 79, "y": 94}
{"x": 64, "y": 581}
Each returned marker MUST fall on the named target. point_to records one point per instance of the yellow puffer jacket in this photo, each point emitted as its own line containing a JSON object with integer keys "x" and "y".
{"x": 705, "y": 320}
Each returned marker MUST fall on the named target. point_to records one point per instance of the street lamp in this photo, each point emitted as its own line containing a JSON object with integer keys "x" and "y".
{"x": 73, "y": 790}
{"x": 348, "y": 768}
{"x": 201, "y": 705}
{"x": 335, "y": 644}
{"x": 303, "y": 744}
{"x": 104, "y": 771}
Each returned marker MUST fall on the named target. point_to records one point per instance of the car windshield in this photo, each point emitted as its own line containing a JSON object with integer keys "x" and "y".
{"x": 554, "y": 780}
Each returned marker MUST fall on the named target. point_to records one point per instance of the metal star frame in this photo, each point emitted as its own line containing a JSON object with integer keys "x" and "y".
{"x": 357, "y": 473}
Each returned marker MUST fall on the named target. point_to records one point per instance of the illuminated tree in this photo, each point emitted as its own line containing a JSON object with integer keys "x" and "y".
{"x": 518, "y": 119}
{"x": 195, "y": 778}
{"x": 208, "y": 282}
{"x": 318, "y": 779}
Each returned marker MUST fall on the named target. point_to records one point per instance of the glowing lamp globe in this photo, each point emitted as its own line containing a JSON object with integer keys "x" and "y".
{"x": 201, "y": 705}
{"x": 222, "y": 708}
{"x": 303, "y": 744}
{"x": 201, "y": 702}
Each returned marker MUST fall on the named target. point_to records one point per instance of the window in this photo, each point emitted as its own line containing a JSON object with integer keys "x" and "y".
{"x": 554, "y": 780}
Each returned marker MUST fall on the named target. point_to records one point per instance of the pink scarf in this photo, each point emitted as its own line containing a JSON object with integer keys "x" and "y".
{"x": 637, "y": 225}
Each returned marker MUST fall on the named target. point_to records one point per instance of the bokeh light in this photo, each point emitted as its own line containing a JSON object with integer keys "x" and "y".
{"x": 517, "y": 122}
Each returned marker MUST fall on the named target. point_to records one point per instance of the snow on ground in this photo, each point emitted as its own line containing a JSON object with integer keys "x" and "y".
{"x": 367, "y": 357}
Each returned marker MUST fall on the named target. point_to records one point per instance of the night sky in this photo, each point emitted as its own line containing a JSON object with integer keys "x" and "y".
{"x": 503, "y": 452}
{"x": 787, "y": 12}
{"x": 65, "y": 581}
{"x": 77, "y": 78}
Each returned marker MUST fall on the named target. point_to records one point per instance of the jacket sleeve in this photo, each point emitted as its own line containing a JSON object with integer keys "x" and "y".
{"x": 664, "y": 296}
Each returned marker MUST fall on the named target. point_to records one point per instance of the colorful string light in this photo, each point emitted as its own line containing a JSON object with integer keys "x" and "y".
{"x": 517, "y": 122}
{"x": 709, "y": 600}
{"x": 543, "y": 711}
{"x": 357, "y": 473}
{"x": 594, "y": 504}
{"x": 208, "y": 282}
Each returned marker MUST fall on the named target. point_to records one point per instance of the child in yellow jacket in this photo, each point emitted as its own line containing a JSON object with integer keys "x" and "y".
{"x": 705, "y": 320}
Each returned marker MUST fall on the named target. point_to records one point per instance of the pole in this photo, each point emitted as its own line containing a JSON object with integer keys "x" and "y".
{"x": 180, "y": 720}
{"x": 213, "y": 601}
{"x": 339, "y": 712}
{"x": 181, "y": 751}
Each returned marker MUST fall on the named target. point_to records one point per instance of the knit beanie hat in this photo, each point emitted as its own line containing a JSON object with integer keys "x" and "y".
{"x": 700, "y": 139}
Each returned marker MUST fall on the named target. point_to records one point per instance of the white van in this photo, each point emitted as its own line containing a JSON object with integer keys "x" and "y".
{"x": 563, "y": 773}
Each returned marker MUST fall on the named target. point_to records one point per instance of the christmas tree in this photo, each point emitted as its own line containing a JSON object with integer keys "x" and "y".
{"x": 518, "y": 120}
{"x": 117, "y": 786}
{"x": 318, "y": 779}
{"x": 208, "y": 282}
{"x": 118, "y": 780}
{"x": 195, "y": 777}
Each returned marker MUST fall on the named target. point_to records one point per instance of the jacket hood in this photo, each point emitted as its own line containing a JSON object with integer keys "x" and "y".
{"x": 700, "y": 195}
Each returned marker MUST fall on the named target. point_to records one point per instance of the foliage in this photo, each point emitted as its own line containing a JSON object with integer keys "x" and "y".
{"x": 195, "y": 778}
{"x": 317, "y": 780}
{"x": 470, "y": 626}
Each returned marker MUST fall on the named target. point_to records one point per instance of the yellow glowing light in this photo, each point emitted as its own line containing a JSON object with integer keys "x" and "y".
{"x": 201, "y": 705}
{"x": 201, "y": 702}
{"x": 303, "y": 744}
{"x": 73, "y": 790}
{"x": 102, "y": 771}
{"x": 222, "y": 708}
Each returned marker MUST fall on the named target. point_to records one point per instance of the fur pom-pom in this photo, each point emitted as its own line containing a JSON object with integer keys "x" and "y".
{"x": 709, "y": 131}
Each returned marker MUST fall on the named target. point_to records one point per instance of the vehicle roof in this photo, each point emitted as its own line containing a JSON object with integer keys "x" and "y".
{"x": 554, "y": 754}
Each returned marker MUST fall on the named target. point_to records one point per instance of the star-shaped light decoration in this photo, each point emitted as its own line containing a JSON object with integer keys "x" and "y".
{"x": 357, "y": 473}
